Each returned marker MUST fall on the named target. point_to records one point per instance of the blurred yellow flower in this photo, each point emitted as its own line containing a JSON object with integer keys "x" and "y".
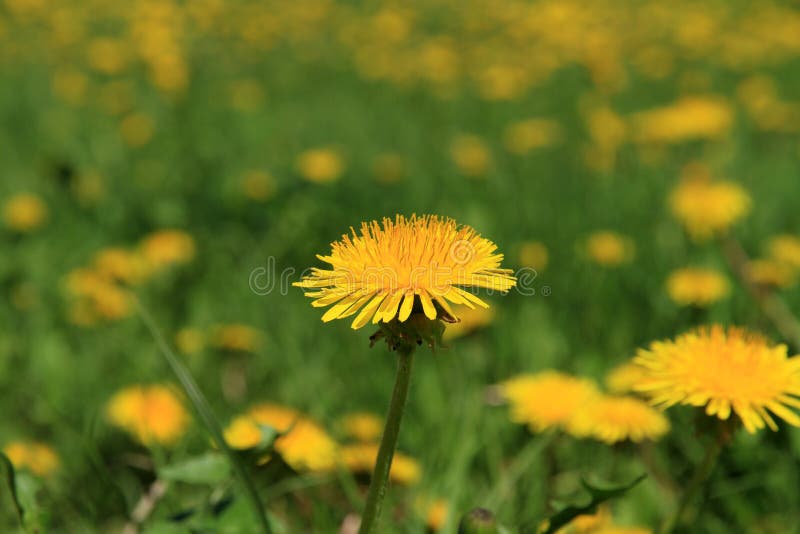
{"x": 190, "y": 340}
{"x": 771, "y": 273}
{"x": 785, "y": 249}
{"x": 303, "y": 444}
{"x": 420, "y": 259}
{"x": 137, "y": 129}
{"x": 548, "y": 399}
{"x": 258, "y": 185}
{"x": 471, "y": 155}
{"x": 691, "y": 117}
{"x": 707, "y": 207}
{"x": 588, "y": 523}
{"x": 534, "y": 255}
{"x": 695, "y": 286}
{"x": 623, "y": 377}
{"x": 360, "y": 458}
{"x": 436, "y": 514}
{"x": 120, "y": 264}
{"x": 362, "y": 426}
{"x": 88, "y": 187}
{"x": 320, "y": 165}
{"x": 609, "y": 249}
{"x": 38, "y": 458}
{"x": 167, "y": 247}
{"x": 469, "y": 321}
{"x": 99, "y": 295}
{"x": 388, "y": 168}
{"x": 236, "y": 337}
{"x": 107, "y": 55}
{"x": 153, "y": 414}
{"x": 527, "y": 135}
{"x": 725, "y": 371}
{"x": 612, "y": 419}
{"x": 24, "y": 212}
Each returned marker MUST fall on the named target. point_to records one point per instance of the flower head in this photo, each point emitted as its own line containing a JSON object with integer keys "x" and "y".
{"x": 548, "y": 399}
{"x": 152, "y": 414}
{"x": 696, "y": 286}
{"x": 167, "y": 247}
{"x": 725, "y": 371}
{"x": 707, "y": 207}
{"x": 611, "y": 419}
{"x": 24, "y": 212}
{"x": 785, "y": 249}
{"x": 320, "y": 165}
{"x": 38, "y": 458}
{"x": 471, "y": 155}
{"x": 387, "y": 269}
{"x": 361, "y": 457}
{"x": 770, "y": 273}
{"x": 609, "y": 249}
{"x": 362, "y": 426}
{"x": 304, "y": 445}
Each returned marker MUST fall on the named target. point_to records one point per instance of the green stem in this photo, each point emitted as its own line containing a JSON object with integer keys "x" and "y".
{"x": 695, "y": 484}
{"x": 380, "y": 476}
{"x": 206, "y": 414}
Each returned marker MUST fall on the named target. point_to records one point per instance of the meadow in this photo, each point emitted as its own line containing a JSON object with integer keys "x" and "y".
{"x": 181, "y": 164}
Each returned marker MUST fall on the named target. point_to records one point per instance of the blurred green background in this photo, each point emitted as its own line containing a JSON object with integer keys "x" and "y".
{"x": 267, "y": 129}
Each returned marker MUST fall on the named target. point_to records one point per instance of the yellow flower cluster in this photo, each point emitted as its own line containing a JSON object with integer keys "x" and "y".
{"x": 697, "y": 286}
{"x": 581, "y": 410}
{"x": 24, "y": 212}
{"x": 38, "y": 458}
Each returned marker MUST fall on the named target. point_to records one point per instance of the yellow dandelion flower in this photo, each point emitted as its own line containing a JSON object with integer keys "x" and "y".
{"x": 528, "y": 135}
{"x": 361, "y": 457}
{"x": 785, "y": 249}
{"x": 609, "y": 249}
{"x": 320, "y": 165}
{"x": 362, "y": 426}
{"x": 436, "y": 514}
{"x": 304, "y": 445}
{"x": 707, "y": 207}
{"x": 697, "y": 286}
{"x": 384, "y": 271}
{"x": 388, "y": 168}
{"x": 236, "y": 337}
{"x": 258, "y": 185}
{"x": 623, "y": 377}
{"x": 771, "y": 273}
{"x": 534, "y": 255}
{"x": 137, "y": 129}
{"x": 107, "y": 55}
{"x": 471, "y": 155}
{"x": 24, "y": 212}
{"x": 190, "y": 340}
{"x": 532, "y": 398}
{"x": 470, "y": 320}
{"x": 725, "y": 371}
{"x": 151, "y": 414}
{"x": 38, "y": 458}
{"x": 167, "y": 247}
{"x": 612, "y": 419}
{"x": 692, "y": 117}
{"x": 120, "y": 264}
{"x": 588, "y": 523}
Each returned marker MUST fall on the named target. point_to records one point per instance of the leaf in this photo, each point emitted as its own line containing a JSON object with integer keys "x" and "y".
{"x": 11, "y": 482}
{"x": 208, "y": 468}
{"x": 598, "y": 497}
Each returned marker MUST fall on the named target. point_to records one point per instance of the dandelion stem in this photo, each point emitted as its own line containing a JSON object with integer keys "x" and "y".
{"x": 206, "y": 414}
{"x": 699, "y": 478}
{"x": 380, "y": 476}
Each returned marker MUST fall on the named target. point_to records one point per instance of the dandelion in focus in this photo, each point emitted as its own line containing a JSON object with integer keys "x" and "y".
{"x": 385, "y": 269}
{"x": 694, "y": 286}
{"x": 548, "y": 399}
{"x": 153, "y": 414}
{"x": 24, "y": 212}
{"x": 320, "y": 165}
{"x": 724, "y": 371}
{"x": 38, "y": 458}
{"x": 609, "y": 249}
{"x": 303, "y": 444}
